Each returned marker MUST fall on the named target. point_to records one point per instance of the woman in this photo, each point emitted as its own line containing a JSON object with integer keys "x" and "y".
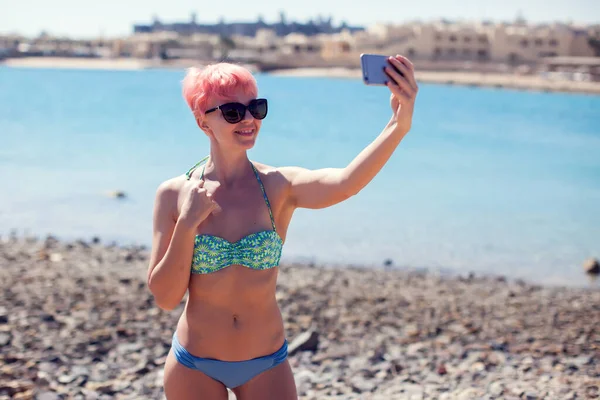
{"x": 219, "y": 231}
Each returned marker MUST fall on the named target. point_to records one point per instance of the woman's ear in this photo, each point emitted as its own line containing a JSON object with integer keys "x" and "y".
{"x": 203, "y": 125}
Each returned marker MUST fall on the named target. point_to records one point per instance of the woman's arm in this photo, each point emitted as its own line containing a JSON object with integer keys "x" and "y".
{"x": 325, "y": 187}
{"x": 172, "y": 249}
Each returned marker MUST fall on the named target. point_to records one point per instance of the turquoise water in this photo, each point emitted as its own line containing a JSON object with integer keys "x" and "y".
{"x": 488, "y": 180}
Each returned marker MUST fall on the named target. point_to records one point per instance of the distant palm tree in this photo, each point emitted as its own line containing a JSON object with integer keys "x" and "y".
{"x": 226, "y": 44}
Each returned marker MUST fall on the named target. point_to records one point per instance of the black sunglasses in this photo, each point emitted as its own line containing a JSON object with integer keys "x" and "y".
{"x": 235, "y": 112}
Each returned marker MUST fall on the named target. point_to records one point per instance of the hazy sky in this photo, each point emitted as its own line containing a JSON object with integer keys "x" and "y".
{"x": 115, "y": 17}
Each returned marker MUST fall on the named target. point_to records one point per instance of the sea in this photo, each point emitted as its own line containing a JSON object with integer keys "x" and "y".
{"x": 488, "y": 181}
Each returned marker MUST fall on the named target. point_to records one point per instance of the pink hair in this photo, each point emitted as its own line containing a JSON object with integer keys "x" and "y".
{"x": 222, "y": 80}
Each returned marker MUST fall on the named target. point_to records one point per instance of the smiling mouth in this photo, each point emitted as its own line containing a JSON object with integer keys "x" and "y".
{"x": 245, "y": 132}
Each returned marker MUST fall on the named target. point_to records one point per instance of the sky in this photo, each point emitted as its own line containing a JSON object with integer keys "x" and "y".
{"x": 111, "y": 18}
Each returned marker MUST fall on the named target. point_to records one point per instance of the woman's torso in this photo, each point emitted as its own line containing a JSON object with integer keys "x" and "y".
{"x": 232, "y": 314}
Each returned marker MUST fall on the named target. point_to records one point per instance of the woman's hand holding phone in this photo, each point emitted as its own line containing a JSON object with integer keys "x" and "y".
{"x": 398, "y": 74}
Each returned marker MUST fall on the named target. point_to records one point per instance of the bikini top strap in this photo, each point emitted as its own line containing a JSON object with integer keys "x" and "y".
{"x": 188, "y": 174}
{"x": 262, "y": 187}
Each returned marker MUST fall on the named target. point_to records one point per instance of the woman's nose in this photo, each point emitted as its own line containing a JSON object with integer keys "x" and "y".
{"x": 248, "y": 115}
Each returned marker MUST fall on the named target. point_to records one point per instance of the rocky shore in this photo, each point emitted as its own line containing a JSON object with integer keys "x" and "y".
{"x": 77, "y": 322}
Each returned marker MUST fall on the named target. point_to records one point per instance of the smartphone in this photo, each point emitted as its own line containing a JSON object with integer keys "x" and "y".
{"x": 372, "y": 69}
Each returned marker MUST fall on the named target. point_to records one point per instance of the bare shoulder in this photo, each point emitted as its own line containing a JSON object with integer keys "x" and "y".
{"x": 275, "y": 176}
{"x": 171, "y": 186}
{"x": 167, "y": 195}
{"x": 287, "y": 173}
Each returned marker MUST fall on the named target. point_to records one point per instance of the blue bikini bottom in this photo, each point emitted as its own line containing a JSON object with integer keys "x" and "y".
{"x": 230, "y": 373}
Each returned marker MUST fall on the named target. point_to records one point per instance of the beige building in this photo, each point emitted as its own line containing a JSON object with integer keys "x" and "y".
{"x": 166, "y": 45}
{"x": 520, "y": 43}
{"x": 339, "y": 45}
{"x": 9, "y": 44}
{"x": 266, "y": 47}
{"x": 445, "y": 41}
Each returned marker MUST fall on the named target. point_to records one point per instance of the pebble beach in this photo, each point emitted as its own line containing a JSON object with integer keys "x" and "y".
{"x": 78, "y": 322}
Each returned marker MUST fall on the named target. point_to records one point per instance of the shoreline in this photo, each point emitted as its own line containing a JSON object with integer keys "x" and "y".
{"x": 470, "y": 79}
{"x": 122, "y": 64}
{"x": 353, "y": 333}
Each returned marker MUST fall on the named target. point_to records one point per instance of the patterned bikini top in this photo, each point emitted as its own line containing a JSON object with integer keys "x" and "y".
{"x": 260, "y": 250}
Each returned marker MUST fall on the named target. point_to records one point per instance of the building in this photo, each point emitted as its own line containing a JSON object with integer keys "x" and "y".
{"x": 167, "y": 45}
{"x": 46, "y": 45}
{"x": 250, "y": 29}
{"x": 9, "y": 45}
{"x": 444, "y": 41}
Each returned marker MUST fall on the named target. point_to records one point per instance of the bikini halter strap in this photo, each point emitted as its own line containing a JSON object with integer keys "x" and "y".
{"x": 262, "y": 187}
{"x": 264, "y": 192}
{"x": 188, "y": 174}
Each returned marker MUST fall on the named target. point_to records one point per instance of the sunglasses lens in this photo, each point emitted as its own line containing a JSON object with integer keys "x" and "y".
{"x": 233, "y": 113}
{"x": 258, "y": 108}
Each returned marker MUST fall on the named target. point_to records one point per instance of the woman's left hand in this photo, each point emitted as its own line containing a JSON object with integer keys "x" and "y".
{"x": 404, "y": 90}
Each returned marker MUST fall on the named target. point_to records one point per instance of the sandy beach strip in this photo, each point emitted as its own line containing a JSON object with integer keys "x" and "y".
{"x": 77, "y": 321}
{"x": 474, "y": 79}
{"x": 521, "y": 82}
{"x": 77, "y": 63}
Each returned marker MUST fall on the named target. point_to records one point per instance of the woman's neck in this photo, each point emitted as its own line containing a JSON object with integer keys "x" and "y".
{"x": 228, "y": 168}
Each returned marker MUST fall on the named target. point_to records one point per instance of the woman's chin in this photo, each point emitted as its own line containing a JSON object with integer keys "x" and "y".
{"x": 247, "y": 144}
{"x": 247, "y": 141}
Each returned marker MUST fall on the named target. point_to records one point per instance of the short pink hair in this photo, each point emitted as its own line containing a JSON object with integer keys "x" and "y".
{"x": 221, "y": 80}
